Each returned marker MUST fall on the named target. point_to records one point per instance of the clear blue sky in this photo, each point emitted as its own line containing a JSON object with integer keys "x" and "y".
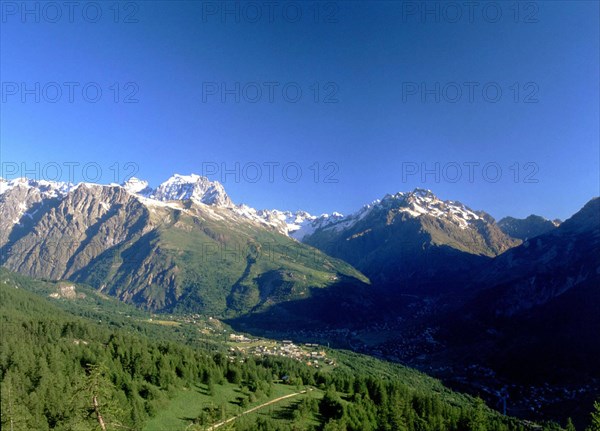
{"x": 369, "y": 63}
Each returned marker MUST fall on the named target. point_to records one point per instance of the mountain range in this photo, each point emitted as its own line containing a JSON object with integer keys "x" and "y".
{"x": 410, "y": 277}
{"x": 183, "y": 245}
{"x": 411, "y": 239}
{"x": 529, "y": 227}
{"x": 186, "y": 242}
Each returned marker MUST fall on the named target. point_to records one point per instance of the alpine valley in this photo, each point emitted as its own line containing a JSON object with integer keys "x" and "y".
{"x": 508, "y": 311}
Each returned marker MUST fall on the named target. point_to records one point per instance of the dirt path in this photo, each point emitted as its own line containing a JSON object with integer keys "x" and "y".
{"x": 268, "y": 403}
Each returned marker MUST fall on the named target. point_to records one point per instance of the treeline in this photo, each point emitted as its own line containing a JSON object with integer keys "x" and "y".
{"x": 365, "y": 403}
{"x": 63, "y": 372}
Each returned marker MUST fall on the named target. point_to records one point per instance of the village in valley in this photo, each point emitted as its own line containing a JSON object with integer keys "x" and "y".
{"x": 310, "y": 353}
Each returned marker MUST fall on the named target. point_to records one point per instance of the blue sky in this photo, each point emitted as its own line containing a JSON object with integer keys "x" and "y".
{"x": 366, "y": 122}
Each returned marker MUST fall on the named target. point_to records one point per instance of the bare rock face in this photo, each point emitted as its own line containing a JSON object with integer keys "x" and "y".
{"x": 183, "y": 242}
{"x": 413, "y": 238}
{"x": 66, "y": 291}
{"x": 548, "y": 265}
{"x": 83, "y": 235}
{"x": 527, "y": 228}
{"x": 22, "y": 202}
{"x": 192, "y": 187}
{"x": 68, "y": 234}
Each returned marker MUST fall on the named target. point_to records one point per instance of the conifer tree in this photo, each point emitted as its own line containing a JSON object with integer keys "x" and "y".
{"x": 595, "y": 425}
{"x": 95, "y": 400}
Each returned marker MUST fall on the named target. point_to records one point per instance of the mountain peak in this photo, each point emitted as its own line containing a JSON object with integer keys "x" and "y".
{"x": 416, "y": 193}
{"x": 586, "y": 219}
{"x": 421, "y": 202}
{"x": 46, "y": 188}
{"x": 422, "y": 192}
{"x": 136, "y": 186}
{"x": 193, "y": 187}
{"x": 529, "y": 227}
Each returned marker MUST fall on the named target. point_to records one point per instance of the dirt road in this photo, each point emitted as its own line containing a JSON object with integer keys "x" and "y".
{"x": 268, "y": 403}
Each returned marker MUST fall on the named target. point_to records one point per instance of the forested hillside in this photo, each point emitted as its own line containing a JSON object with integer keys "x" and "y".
{"x": 62, "y": 371}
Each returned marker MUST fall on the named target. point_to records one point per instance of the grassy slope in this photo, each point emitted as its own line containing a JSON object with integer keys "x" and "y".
{"x": 187, "y": 404}
{"x": 197, "y": 263}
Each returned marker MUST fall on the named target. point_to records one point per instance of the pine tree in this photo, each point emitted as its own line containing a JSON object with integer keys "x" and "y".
{"x": 595, "y": 425}
{"x": 95, "y": 400}
{"x": 331, "y": 406}
{"x": 14, "y": 415}
{"x": 478, "y": 419}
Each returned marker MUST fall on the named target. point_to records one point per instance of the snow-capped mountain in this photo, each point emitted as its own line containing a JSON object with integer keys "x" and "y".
{"x": 183, "y": 241}
{"x": 193, "y": 187}
{"x": 22, "y": 198}
{"x": 285, "y": 222}
{"x": 298, "y": 224}
{"x": 201, "y": 190}
{"x": 178, "y": 188}
{"x": 47, "y": 189}
{"x": 409, "y": 233}
{"x": 415, "y": 204}
{"x": 423, "y": 202}
{"x": 137, "y": 186}
{"x": 295, "y": 224}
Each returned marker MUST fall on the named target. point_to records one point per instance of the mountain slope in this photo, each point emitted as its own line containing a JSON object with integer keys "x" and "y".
{"x": 534, "y": 318}
{"x": 54, "y": 364}
{"x": 525, "y": 323}
{"x": 529, "y": 227}
{"x": 548, "y": 265}
{"x": 412, "y": 238}
{"x": 181, "y": 246}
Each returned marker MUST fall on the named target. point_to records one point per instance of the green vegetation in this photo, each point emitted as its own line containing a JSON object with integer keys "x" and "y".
{"x": 194, "y": 261}
{"x": 203, "y": 405}
{"x": 67, "y": 364}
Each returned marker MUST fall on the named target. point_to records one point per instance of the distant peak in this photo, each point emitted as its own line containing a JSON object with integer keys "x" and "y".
{"x": 420, "y": 202}
{"x": 136, "y": 186}
{"x": 416, "y": 193}
{"x": 193, "y": 187}
{"x": 191, "y": 178}
{"x": 47, "y": 188}
{"x": 422, "y": 192}
{"x": 134, "y": 180}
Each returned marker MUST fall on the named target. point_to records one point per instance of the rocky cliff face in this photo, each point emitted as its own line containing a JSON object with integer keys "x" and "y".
{"x": 65, "y": 235}
{"x": 182, "y": 245}
{"x": 526, "y": 228}
{"x": 23, "y": 201}
{"x": 539, "y": 301}
{"x": 412, "y": 238}
{"x": 548, "y": 265}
